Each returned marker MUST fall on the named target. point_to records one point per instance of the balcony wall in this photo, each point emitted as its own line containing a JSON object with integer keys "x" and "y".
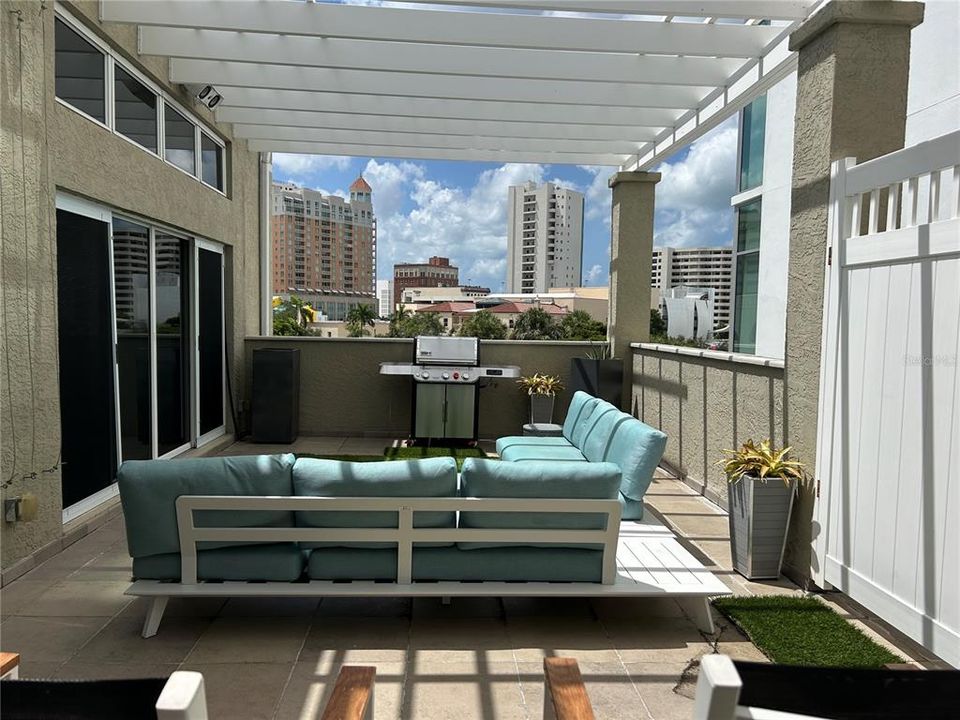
{"x": 707, "y": 402}
{"x": 342, "y": 392}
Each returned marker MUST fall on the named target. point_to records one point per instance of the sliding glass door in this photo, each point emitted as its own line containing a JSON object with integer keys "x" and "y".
{"x": 141, "y": 343}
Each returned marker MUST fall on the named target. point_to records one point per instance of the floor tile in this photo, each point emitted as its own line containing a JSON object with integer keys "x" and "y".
{"x": 365, "y": 607}
{"x": 20, "y": 594}
{"x": 270, "y": 607}
{"x": 38, "y": 670}
{"x": 176, "y": 607}
{"x": 357, "y": 640}
{"x": 459, "y": 640}
{"x": 120, "y": 641}
{"x": 77, "y": 598}
{"x": 445, "y": 690}
{"x": 250, "y": 640}
{"x": 611, "y": 691}
{"x": 77, "y": 669}
{"x": 534, "y": 638}
{"x": 457, "y": 607}
{"x": 660, "y": 689}
{"x": 311, "y": 684}
{"x": 656, "y": 640}
{"x": 242, "y": 690}
{"x": 48, "y": 639}
{"x": 636, "y": 608}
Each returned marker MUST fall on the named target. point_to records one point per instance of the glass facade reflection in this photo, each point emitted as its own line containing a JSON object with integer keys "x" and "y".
{"x": 180, "y": 141}
{"x": 172, "y": 324}
{"x": 747, "y": 281}
{"x": 79, "y": 72}
{"x": 211, "y": 162}
{"x": 136, "y": 109}
{"x": 753, "y": 122}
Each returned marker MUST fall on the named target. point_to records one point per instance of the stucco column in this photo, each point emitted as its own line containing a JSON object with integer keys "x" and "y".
{"x": 853, "y": 68}
{"x": 631, "y": 246}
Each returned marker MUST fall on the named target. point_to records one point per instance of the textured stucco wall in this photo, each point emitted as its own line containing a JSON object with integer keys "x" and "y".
{"x": 49, "y": 148}
{"x": 706, "y": 406}
{"x": 342, "y": 392}
{"x": 852, "y": 76}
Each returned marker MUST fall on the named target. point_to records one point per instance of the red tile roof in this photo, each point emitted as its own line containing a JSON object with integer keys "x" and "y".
{"x": 449, "y": 307}
{"x": 515, "y": 307}
{"x": 360, "y": 185}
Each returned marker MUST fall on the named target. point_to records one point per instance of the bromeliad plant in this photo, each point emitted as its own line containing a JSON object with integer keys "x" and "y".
{"x": 538, "y": 384}
{"x": 762, "y": 461}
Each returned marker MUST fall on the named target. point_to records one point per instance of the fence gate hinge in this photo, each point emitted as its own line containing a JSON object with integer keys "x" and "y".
{"x": 818, "y": 487}
{"x": 830, "y": 256}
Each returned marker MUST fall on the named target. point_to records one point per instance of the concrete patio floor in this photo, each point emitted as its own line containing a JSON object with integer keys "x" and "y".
{"x": 476, "y": 659}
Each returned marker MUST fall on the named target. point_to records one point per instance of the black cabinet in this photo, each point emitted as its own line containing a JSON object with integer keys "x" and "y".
{"x": 600, "y": 378}
{"x": 276, "y": 396}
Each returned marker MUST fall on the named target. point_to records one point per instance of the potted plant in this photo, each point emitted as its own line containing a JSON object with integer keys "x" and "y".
{"x": 763, "y": 481}
{"x": 598, "y": 374}
{"x": 542, "y": 390}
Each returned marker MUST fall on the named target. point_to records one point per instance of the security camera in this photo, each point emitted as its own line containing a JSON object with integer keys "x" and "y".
{"x": 205, "y": 94}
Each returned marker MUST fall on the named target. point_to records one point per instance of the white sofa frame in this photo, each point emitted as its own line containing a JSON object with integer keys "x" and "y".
{"x": 638, "y": 559}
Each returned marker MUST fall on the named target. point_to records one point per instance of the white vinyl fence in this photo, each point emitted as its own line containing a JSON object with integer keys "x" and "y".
{"x": 887, "y": 523}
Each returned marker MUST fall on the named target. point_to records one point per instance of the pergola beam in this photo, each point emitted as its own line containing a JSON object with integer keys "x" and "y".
{"x": 433, "y": 125}
{"x": 427, "y": 153}
{"x": 411, "y": 85}
{"x": 446, "y": 28}
{"x": 418, "y": 140}
{"x": 239, "y": 96}
{"x": 432, "y": 59}
{"x": 739, "y": 9}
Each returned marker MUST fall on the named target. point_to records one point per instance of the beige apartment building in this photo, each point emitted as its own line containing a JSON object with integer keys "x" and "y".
{"x": 323, "y": 243}
{"x": 704, "y": 267}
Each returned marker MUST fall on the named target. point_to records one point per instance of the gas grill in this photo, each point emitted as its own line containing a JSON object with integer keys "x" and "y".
{"x": 447, "y": 376}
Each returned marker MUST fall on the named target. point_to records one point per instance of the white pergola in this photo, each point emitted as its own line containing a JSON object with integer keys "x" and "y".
{"x": 608, "y": 82}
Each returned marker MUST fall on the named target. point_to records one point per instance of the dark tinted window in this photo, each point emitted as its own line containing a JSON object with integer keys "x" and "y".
{"x": 136, "y": 109}
{"x": 211, "y": 158}
{"x": 79, "y": 72}
{"x": 180, "y": 148}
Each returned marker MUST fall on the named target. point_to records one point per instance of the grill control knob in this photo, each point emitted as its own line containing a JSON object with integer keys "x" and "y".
{"x": 456, "y": 376}
{"x": 466, "y": 376}
{"x": 425, "y": 375}
{"x": 446, "y": 376}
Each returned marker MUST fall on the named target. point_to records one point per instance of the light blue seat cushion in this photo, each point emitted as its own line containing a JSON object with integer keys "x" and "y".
{"x": 515, "y": 564}
{"x": 149, "y": 490}
{"x": 550, "y": 453}
{"x": 430, "y": 477}
{"x": 492, "y": 479}
{"x": 630, "y": 509}
{"x": 277, "y": 562}
{"x": 600, "y": 436}
{"x": 514, "y": 440}
{"x": 636, "y": 448}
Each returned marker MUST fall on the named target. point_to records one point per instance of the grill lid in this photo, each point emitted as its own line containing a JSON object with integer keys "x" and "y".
{"x": 430, "y": 350}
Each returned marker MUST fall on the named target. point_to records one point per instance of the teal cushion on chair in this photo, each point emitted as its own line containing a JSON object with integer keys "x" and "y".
{"x": 630, "y": 509}
{"x": 598, "y": 438}
{"x": 514, "y": 440}
{"x": 585, "y": 421}
{"x": 542, "y": 452}
{"x": 578, "y": 410}
{"x": 430, "y": 477}
{"x": 636, "y": 448}
{"x": 277, "y": 562}
{"x": 149, "y": 490}
{"x": 493, "y": 479}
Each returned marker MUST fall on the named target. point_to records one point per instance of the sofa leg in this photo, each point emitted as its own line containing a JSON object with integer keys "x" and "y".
{"x": 445, "y": 600}
{"x": 154, "y": 615}
{"x": 699, "y": 611}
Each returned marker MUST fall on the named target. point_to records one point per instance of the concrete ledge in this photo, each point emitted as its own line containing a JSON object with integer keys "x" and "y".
{"x": 860, "y": 12}
{"x": 633, "y": 176}
{"x": 710, "y": 354}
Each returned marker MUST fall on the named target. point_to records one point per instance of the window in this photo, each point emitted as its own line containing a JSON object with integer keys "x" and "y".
{"x": 211, "y": 159}
{"x": 748, "y": 273}
{"x": 79, "y": 73}
{"x": 180, "y": 141}
{"x": 135, "y": 108}
{"x": 752, "y": 127}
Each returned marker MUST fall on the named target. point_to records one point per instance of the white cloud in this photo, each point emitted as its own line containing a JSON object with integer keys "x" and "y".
{"x": 597, "y": 195}
{"x": 298, "y": 167}
{"x": 594, "y": 275}
{"x": 693, "y": 197}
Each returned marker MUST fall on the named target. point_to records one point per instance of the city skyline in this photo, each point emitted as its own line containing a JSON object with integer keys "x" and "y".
{"x": 459, "y": 209}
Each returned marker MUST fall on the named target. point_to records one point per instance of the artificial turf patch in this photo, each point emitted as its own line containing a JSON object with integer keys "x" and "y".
{"x": 405, "y": 453}
{"x": 803, "y": 631}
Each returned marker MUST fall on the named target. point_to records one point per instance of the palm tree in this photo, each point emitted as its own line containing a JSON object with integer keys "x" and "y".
{"x": 359, "y": 318}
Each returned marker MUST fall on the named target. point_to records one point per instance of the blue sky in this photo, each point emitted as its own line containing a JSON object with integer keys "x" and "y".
{"x": 459, "y": 209}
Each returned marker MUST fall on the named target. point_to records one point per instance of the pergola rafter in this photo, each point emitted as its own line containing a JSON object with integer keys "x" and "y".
{"x": 620, "y": 87}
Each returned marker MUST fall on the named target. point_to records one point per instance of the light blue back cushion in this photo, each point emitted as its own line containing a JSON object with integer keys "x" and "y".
{"x": 636, "y": 448}
{"x": 578, "y": 404}
{"x": 495, "y": 479}
{"x": 277, "y": 562}
{"x": 149, "y": 490}
{"x": 590, "y": 414}
{"x": 598, "y": 439}
{"x": 430, "y": 477}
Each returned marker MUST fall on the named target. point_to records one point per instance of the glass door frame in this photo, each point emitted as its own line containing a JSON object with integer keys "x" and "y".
{"x": 215, "y": 247}
{"x": 103, "y": 213}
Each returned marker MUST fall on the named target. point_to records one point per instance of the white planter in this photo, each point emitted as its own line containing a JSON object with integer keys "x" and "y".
{"x": 541, "y": 408}
{"x": 759, "y": 518}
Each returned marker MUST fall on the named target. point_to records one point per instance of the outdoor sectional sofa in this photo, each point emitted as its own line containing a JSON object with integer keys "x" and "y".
{"x": 275, "y": 525}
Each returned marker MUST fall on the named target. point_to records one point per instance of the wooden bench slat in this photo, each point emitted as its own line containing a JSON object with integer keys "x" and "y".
{"x": 565, "y": 689}
{"x": 352, "y": 693}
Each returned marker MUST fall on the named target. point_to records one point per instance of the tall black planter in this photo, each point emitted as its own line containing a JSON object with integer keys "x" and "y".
{"x": 600, "y": 378}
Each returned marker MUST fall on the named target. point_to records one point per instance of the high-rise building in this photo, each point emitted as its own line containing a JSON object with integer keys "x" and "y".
{"x": 544, "y": 237}
{"x": 436, "y": 272}
{"x": 323, "y": 243}
{"x": 705, "y": 267}
{"x": 385, "y": 304}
